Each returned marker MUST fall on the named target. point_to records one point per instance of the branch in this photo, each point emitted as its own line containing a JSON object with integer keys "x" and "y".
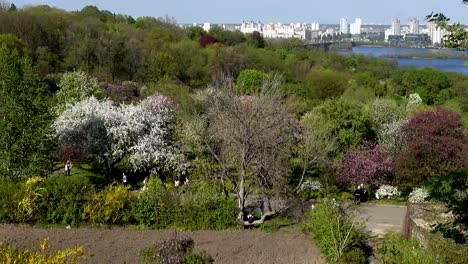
{"x": 260, "y": 221}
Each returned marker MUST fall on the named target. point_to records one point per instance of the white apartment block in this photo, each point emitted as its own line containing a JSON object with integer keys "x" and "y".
{"x": 414, "y": 26}
{"x": 396, "y": 27}
{"x": 355, "y": 28}
{"x": 344, "y": 27}
{"x": 436, "y": 34}
{"x": 279, "y": 30}
{"x": 251, "y": 27}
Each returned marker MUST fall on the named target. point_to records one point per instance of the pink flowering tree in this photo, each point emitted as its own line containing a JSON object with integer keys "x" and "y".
{"x": 370, "y": 165}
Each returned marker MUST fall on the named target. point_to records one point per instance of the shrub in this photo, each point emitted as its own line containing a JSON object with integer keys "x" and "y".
{"x": 111, "y": 206}
{"x": 27, "y": 207}
{"x": 387, "y": 191}
{"x": 250, "y": 81}
{"x": 11, "y": 255}
{"x": 151, "y": 208}
{"x": 200, "y": 206}
{"x": 335, "y": 234}
{"x": 418, "y": 195}
{"x": 9, "y": 193}
{"x": 63, "y": 199}
{"x": 396, "y": 250}
{"x": 310, "y": 189}
{"x": 204, "y": 207}
{"x": 176, "y": 249}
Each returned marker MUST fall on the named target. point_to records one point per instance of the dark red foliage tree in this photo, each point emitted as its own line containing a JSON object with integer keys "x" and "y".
{"x": 69, "y": 152}
{"x": 437, "y": 145}
{"x": 120, "y": 92}
{"x": 206, "y": 40}
{"x": 370, "y": 165}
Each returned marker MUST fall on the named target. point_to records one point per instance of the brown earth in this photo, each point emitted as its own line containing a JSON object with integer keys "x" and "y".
{"x": 121, "y": 245}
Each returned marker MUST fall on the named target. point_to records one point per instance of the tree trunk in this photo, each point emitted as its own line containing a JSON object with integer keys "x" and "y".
{"x": 241, "y": 198}
{"x": 106, "y": 164}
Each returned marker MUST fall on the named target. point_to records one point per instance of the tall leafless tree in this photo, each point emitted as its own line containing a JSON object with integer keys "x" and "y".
{"x": 251, "y": 136}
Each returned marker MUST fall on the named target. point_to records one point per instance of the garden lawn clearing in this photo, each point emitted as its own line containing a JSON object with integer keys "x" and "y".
{"x": 122, "y": 245}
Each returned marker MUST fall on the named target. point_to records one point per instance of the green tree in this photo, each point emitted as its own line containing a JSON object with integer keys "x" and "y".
{"x": 323, "y": 84}
{"x": 429, "y": 83}
{"x": 24, "y": 119}
{"x": 339, "y": 125}
{"x": 74, "y": 87}
{"x": 250, "y": 81}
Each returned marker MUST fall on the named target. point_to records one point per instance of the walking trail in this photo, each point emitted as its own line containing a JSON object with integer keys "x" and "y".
{"x": 380, "y": 219}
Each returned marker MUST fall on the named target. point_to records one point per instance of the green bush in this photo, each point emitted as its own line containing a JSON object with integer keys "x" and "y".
{"x": 446, "y": 250}
{"x": 9, "y": 194}
{"x": 204, "y": 207}
{"x": 111, "y": 206}
{"x": 396, "y": 250}
{"x": 250, "y": 81}
{"x": 335, "y": 234}
{"x": 200, "y": 206}
{"x": 63, "y": 199}
{"x": 152, "y": 207}
{"x": 27, "y": 206}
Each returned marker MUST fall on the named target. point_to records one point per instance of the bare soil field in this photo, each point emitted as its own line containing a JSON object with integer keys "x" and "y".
{"x": 121, "y": 245}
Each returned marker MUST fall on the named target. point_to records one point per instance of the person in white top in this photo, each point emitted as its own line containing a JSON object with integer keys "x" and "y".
{"x": 68, "y": 166}
{"x": 124, "y": 179}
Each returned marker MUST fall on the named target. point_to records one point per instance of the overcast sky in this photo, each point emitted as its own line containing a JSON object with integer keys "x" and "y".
{"x": 223, "y": 11}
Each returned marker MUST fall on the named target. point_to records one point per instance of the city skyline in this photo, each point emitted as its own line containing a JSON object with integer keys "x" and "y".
{"x": 324, "y": 12}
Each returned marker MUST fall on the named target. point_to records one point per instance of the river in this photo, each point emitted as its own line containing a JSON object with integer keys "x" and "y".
{"x": 449, "y": 65}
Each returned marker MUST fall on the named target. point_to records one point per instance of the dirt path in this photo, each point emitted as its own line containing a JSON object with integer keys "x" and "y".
{"x": 119, "y": 245}
{"x": 381, "y": 219}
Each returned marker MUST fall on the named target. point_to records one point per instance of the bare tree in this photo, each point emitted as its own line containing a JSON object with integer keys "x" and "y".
{"x": 251, "y": 137}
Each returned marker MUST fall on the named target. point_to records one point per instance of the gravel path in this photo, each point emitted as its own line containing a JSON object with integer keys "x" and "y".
{"x": 380, "y": 219}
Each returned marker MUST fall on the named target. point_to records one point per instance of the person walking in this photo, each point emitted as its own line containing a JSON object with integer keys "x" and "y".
{"x": 124, "y": 179}
{"x": 68, "y": 167}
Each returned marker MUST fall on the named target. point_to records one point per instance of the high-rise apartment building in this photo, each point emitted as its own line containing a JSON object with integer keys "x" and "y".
{"x": 315, "y": 26}
{"x": 344, "y": 27}
{"x": 436, "y": 34}
{"x": 355, "y": 28}
{"x": 396, "y": 27}
{"x": 414, "y": 26}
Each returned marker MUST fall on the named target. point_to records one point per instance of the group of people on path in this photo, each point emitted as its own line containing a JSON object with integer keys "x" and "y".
{"x": 360, "y": 194}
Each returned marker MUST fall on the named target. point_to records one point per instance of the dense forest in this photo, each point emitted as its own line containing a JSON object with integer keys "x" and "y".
{"x": 235, "y": 115}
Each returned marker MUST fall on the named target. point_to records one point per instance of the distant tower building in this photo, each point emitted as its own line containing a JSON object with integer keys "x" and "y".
{"x": 396, "y": 27}
{"x": 206, "y": 26}
{"x": 344, "y": 26}
{"x": 414, "y": 26}
{"x": 315, "y": 26}
{"x": 355, "y": 27}
{"x": 436, "y": 34}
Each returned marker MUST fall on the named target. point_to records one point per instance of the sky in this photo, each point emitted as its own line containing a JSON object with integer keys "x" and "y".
{"x": 235, "y": 11}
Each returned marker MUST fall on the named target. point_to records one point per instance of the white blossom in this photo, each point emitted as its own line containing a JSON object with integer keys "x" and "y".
{"x": 418, "y": 195}
{"x": 387, "y": 191}
{"x": 310, "y": 185}
{"x": 414, "y": 100}
{"x": 392, "y": 139}
{"x": 142, "y": 133}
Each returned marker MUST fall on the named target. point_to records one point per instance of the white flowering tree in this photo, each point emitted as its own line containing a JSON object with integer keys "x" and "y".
{"x": 141, "y": 133}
